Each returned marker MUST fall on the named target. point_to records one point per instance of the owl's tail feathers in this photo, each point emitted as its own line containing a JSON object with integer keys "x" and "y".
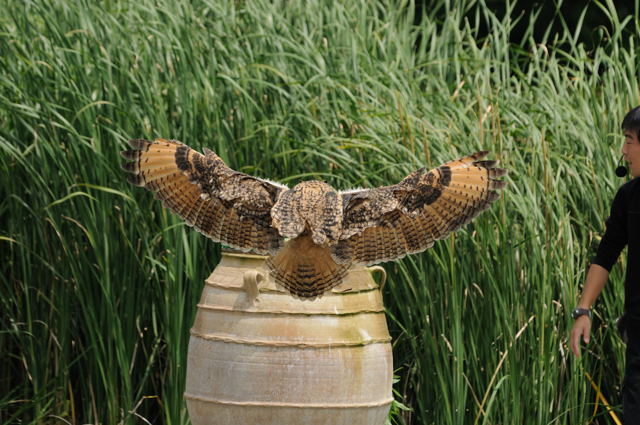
{"x": 306, "y": 269}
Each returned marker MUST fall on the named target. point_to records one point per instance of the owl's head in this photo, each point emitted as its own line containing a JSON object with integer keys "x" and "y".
{"x": 312, "y": 206}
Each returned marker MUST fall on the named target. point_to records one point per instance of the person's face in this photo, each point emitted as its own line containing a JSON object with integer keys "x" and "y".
{"x": 631, "y": 151}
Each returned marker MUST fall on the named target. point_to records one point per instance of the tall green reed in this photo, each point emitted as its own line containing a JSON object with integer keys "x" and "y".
{"x": 99, "y": 283}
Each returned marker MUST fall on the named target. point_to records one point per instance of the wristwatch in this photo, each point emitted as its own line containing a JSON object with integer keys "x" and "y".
{"x": 577, "y": 312}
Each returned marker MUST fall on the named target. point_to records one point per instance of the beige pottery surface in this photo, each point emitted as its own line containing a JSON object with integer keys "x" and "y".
{"x": 258, "y": 356}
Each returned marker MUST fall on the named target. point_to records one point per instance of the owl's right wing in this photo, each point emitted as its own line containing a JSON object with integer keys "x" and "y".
{"x": 225, "y": 205}
{"x": 390, "y": 222}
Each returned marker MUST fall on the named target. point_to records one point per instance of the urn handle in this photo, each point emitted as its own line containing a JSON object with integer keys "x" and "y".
{"x": 251, "y": 279}
{"x": 383, "y": 274}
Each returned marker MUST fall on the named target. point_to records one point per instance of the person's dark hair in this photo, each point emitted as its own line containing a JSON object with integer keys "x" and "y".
{"x": 631, "y": 121}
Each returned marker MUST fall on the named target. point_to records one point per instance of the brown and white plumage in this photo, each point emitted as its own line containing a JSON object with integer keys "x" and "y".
{"x": 390, "y": 222}
{"x": 313, "y": 233}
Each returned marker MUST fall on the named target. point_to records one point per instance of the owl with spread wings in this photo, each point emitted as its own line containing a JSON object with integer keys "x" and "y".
{"x": 312, "y": 233}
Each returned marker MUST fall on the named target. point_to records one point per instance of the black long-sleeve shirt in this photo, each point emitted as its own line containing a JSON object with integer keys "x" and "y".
{"x": 623, "y": 228}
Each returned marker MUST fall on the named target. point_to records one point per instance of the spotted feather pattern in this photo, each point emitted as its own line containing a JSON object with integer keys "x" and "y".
{"x": 223, "y": 204}
{"x": 314, "y": 204}
{"x": 305, "y": 268}
{"x": 390, "y": 222}
{"x": 311, "y": 233}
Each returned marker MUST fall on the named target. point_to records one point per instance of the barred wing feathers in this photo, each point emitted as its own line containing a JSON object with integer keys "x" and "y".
{"x": 390, "y": 222}
{"x": 225, "y": 205}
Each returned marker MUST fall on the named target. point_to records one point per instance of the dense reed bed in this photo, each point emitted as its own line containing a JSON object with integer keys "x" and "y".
{"x": 98, "y": 283}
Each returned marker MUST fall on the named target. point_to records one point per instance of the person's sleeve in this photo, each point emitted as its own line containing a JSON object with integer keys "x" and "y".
{"x": 615, "y": 237}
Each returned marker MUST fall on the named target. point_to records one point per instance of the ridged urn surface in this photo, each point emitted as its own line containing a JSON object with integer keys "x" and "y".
{"x": 258, "y": 356}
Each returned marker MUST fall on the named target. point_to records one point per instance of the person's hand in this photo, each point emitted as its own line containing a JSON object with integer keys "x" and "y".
{"x": 581, "y": 328}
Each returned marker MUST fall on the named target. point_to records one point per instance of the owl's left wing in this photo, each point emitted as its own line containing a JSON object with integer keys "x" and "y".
{"x": 390, "y": 222}
{"x": 226, "y": 205}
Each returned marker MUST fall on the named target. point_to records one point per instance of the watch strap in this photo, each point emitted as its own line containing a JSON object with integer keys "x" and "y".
{"x": 577, "y": 312}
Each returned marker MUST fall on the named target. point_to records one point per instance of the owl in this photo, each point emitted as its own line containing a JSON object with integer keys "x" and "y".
{"x": 312, "y": 233}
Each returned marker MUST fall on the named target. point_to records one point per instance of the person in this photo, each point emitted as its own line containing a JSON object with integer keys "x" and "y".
{"x": 622, "y": 229}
